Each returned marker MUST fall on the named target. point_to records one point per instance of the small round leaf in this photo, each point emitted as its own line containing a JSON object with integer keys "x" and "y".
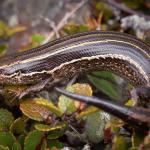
{"x": 21, "y": 139}
{"x": 7, "y": 139}
{"x": 121, "y": 143}
{"x": 4, "y": 147}
{"x": 33, "y": 140}
{"x": 16, "y": 146}
{"x": 6, "y": 119}
{"x": 95, "y": 125}
{"x": 18, "y": 126}
{"x": 67, "y": 105}
{"x": 87, "y": 111}
{"x": 34, "y": 111}
{"x": 47, "y": 104}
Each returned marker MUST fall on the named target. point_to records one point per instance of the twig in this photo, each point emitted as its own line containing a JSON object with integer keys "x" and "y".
{"x": 136, "y": 116}
{"x": 73, "y": 80}
{"x": 64, "y": 20}
{"x": 52, "y": 25}
{"x": 74, "y": 129}
{"x": 125, "y": 9}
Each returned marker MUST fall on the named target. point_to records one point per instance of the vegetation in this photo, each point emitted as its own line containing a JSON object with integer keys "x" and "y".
{"x": 48, "y": 121}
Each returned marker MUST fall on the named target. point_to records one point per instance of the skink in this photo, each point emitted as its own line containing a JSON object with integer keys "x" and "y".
{"x": 120, "y": 53}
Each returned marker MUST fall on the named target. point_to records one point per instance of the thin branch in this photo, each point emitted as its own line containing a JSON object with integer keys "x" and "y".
{"x": 51, "y": 24}
{"x": 137, "y": 117}
{"x": 73, "y": 80}
{"x": 125, "y": 8}
{"x": 64, "y": 20}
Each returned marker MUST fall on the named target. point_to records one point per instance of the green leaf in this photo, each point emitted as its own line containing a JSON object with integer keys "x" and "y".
{"x": 66, "y": 105}
{"x": 42, "y": 127}
{"x": 4, "y": 147}
{"x": 69, "y": 106}
{"x": 38, "y": 38}
{"x": 18, "y": 126}
{"x": 21, "y": 139}
{"x": 107, "y": 11}
{"x": 55, "y": 134}
{"x": 115, "y": 124}
{"x": 3, "y": 29}
{"x": 12, "y": 31}
{"x": 54, "y": 131}
{"x": 34, "y": 111}
{"x": 51, "y": 107}
{"x": 83, "y": 28}
{"x": 134, "y": 3}
{"x": 95, "y": 124}
{"x": 137, "y": 139}
{"x": 6, "y": 31}
{"x": 74, "y": 28}
{"x": 33, "y": 140}
{"x": 121, "y": 143}
{"x": 55, "y": 143}
{"x": 135, "y": 148}
{"x": 105, "y": 74}
{"x": 82, "y": 89}
{"x": 3, "y": 48}
{"x": 43, "y": 145}
{"x": 87, "y": 111}
{"x": 107, "y": 87}
{"x": 6, "y": 119}
{"x": 57, "y": 130}
{"x": 130, "y": 103}
{"x": 16, "y": 146}
{"x": 7, "y": 139}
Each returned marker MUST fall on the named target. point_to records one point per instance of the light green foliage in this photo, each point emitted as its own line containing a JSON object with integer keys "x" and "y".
{"x": 95, "y": 125}
{"x": 6, "y": 119}
{"x": 32, "y": 140}
{"x": 102, "y": 83}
